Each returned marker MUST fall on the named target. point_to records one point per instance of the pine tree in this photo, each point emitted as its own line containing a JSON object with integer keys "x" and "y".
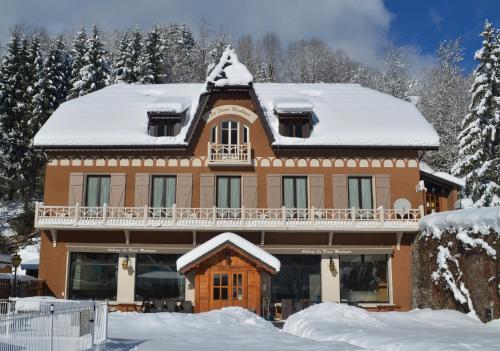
{"x": 152, "y": 59}
{"x": 77, "y": 62}
{"x": 179, "y": 45}
{"x": 478, "y": 162}
{"x": 122, "y": 65}
{"x": 135, "y": 49}
{"x": 95, "y": 74}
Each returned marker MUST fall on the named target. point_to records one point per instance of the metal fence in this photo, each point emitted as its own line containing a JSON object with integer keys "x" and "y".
{"x": 52, "y": 327}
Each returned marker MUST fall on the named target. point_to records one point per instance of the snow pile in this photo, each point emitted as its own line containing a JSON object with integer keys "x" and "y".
{"x": 169, "y": 104}
{"x": 229, "y": 328}
{"x": 42, "y": 303}
{"x": 234, "y": 239}
{"x": 416, "y": 330}
{"x": 229, "y": 71}
{"x": 293, "y": 105}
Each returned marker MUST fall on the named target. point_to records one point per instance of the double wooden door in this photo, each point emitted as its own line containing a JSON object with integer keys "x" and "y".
{"x": 228, "y": 288}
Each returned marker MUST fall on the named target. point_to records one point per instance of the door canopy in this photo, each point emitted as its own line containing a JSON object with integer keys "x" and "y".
{"x": 261, "y": 258}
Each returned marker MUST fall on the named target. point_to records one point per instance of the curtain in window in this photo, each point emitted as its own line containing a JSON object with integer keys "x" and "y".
{"x": 301, "y": 195}
{"x": 157, "y": 191}
{"x": 235, "y": 192}
{"x": 171, "y": 188}
{"x": 92, "y": 189}
{"x": 105, "y": 187}
{"x": 288, "y": 192}
{"x": 353, "y": 192}
{"x": 366, "y": 193}
{"x": 222, "y": 191}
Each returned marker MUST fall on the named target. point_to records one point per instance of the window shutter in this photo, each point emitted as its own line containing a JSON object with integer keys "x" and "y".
{"x": 382, "y": 190}
{"x": 250, "y": 190}
{"x": 317, "y": 190}
{"x": 340, "y": 191}
{"x": 184, "y": 190}
{"x": 75, "y": 194}
{"x": 141, "y": 189}
{"x": 207, "y": 190}
{"x": 274, "y": 191}
{"x": 117, "y": 194}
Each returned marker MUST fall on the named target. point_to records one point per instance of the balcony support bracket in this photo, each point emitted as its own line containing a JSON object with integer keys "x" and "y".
{"x": 262, "y": 238}
{"x": 399, "y": 236}
{"x": 53, "y": 232}
{"x": 194, "y": 237}
{"x": 330, "y": 238}
{"x": 127, "y": 237}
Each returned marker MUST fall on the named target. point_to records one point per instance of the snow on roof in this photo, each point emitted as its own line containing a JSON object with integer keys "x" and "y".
{"x": 229, "y": 71}
{"x": 345, "y": 115}
{"x": 293, "y": 105}
{"x": 425, "y": 168}
{"x": 477, "y": 219}
{"x": 169, "y": 104}
{"x": 234, "y": 239}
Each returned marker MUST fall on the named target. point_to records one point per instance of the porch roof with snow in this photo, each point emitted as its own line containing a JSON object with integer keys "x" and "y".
{"x": 211, "y": 246}
{"x": 343, "y": 115}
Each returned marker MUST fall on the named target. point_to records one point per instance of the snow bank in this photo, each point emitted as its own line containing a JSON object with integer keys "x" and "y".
{"x": 229, "y": 328}
{"x": 236, "y": 240}
{"x": 416, "y": 330}
{"x": 42, "y": 303}
{"x": 229, "y": 71}
{"x": 293, "y": 105}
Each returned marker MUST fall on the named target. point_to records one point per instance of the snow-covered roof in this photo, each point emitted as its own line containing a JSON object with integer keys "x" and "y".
{"x": 229, "y": 71}
{"x": 425, "y": 168}
{"x": 169, "y": 104}
{"x": 344, "y": 115}
{"x": 234, "y": 239}
{"x": 293, "y": 105}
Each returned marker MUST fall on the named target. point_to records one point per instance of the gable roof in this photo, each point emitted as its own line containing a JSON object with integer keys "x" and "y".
{"x": 440, "y": 177}
{"x": 213, "y": 244}
{"x": 344, "y": 116}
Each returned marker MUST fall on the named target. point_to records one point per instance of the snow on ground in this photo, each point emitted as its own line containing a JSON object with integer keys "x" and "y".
{"x": 8, "y": 211}
{"x": 29, "y": 253}
{"x": 327, "y": 326}
{"x": 416, "y": 330}
{"x": 230, "y": 328}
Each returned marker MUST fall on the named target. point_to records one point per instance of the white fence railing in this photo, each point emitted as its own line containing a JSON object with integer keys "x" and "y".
{"x": 175, "y": 218}
{"x": 52, "y": 327}
{"x": 235, "y": 154}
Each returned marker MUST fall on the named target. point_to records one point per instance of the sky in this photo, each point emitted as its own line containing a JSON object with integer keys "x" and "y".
{"x": 361, "y": 27}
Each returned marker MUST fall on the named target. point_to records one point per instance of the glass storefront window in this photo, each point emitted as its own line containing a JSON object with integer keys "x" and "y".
{"x": 93, "y": 276}
{"x": 156, "y": 277}
{"x": 363, "y": 278}
{"x": 299, "y": 278}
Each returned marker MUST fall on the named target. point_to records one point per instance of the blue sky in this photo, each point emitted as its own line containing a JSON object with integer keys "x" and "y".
{"x": 361, "y": 27}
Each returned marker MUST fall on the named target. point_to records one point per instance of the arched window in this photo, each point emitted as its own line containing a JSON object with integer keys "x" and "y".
{"x": 229, "y": 133}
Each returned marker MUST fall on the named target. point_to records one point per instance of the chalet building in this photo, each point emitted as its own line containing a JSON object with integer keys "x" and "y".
{"x": 322, "y": 178}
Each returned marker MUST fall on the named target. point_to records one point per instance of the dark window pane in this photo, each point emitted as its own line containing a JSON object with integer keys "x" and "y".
{"x": 157, "y": 277}
{"x": 216, "y": 280}
{"x": 216, "y": 293}
{"x": 93, "y": 276}
{"x": 224, "y": 280}
{"x": 223, "y": 293}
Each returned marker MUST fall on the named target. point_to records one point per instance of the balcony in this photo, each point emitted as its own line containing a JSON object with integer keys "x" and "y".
{"x": 229, "y": 154}
{"x": 221, "y": 219}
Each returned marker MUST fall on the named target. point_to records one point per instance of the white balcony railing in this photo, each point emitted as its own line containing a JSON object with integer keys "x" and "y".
{"x": 266, "y": 219}
{"x": 229, "y": 154}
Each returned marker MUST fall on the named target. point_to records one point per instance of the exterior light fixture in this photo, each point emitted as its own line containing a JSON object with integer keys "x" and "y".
{"x": 333, "y": 269}
{"x": 16, "y": 262}
{"x": 125, "y": 263}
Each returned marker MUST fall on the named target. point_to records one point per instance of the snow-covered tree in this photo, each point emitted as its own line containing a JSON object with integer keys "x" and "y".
{"x": 95, "y": 74}
{"x": 178, "y": 50}
{"x": 270, "y": 56}
{"x": 153, "y": 60}
{"x": 246, "y": 53}
{"x": 135, "y": 50}
{"x": 78, "y": 61}
{"x": 478, "y": 156}
{"x": 122, "y": 67}
{"x": 395, "y": 77}
{"x": 443, "y": 100}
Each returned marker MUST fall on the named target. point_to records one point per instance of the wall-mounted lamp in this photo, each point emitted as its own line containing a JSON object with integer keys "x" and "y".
{"x": 333, "y": 269}
{"x": 125, "y": 263}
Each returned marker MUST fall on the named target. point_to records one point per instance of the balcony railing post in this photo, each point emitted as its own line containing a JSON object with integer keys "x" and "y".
{"x": 104, "y": 212}
{"x": 312, "y": 216}
{"x": 77, "y": 212}
{"x": 214, "y": 209}
{"x": 381, "y": 215}
{"x": 174, "y": 213}
{"x": 283, "y": 215}
{"x": 421, "y": 209}
{"x": 353, "y": 216}
{"x": 146, "y": 214}
{"x": 242, "y": 210}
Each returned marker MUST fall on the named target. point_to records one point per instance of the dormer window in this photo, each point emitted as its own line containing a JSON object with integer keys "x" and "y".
{"x": 295, "y": 117}
{"x": 165, "y": 116}
{"x": 295, "y": 127}
{"x": 164, "y": 126}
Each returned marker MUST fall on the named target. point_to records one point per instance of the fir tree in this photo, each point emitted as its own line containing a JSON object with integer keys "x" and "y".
{"x": 95, "y": 74}
{"x": 77, "y": 62}
{"x": 135, "y": 49}
{"x": 478, "y": 155}
{"x": 179, "y": 48}
{"x": 122, "y": 65}
{"x": 152, "y": 59}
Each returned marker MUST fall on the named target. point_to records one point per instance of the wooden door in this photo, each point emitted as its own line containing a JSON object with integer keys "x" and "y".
{"x": 228, "y": 288}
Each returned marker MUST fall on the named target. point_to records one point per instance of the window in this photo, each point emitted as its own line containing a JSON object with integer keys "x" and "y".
{"x": 299, "y": 278}
{"x": 164, "y": 126}
{"x": 245, "y": 135}
{"x": 237, "y": 286}
{"x": 295, "y": 127}
{"x": 431, "y": 203}
{"x": 213, "y": 135}
{"x": 156, "y": 277}
{"x": 228, "y": 192}
{"x": 360, "y": 192}
{"x": 93, "y": 276}
{"x": 97, "y": 191}
{"x": 163, "y": 191}
{"x": 220, "y": 286}
{"x": 363, "y": 278}
{"x": 295, "y": 192}
{"x": 229, "y": 134}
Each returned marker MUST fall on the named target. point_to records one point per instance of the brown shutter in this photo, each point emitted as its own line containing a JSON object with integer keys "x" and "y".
{"x": 184, "y": 190}
{"x": 141, "y": 189}
{"x": 207, "y": 190}
{"x": 117, "y": 195}
{"x": 317, "y": 190}
{"x": 274, "y": 191}
{"x": 340, "y": 191}
{"x": 250, "y": 190}
{"x": 382, "y": 190}
{"x": 75, "y": 194}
